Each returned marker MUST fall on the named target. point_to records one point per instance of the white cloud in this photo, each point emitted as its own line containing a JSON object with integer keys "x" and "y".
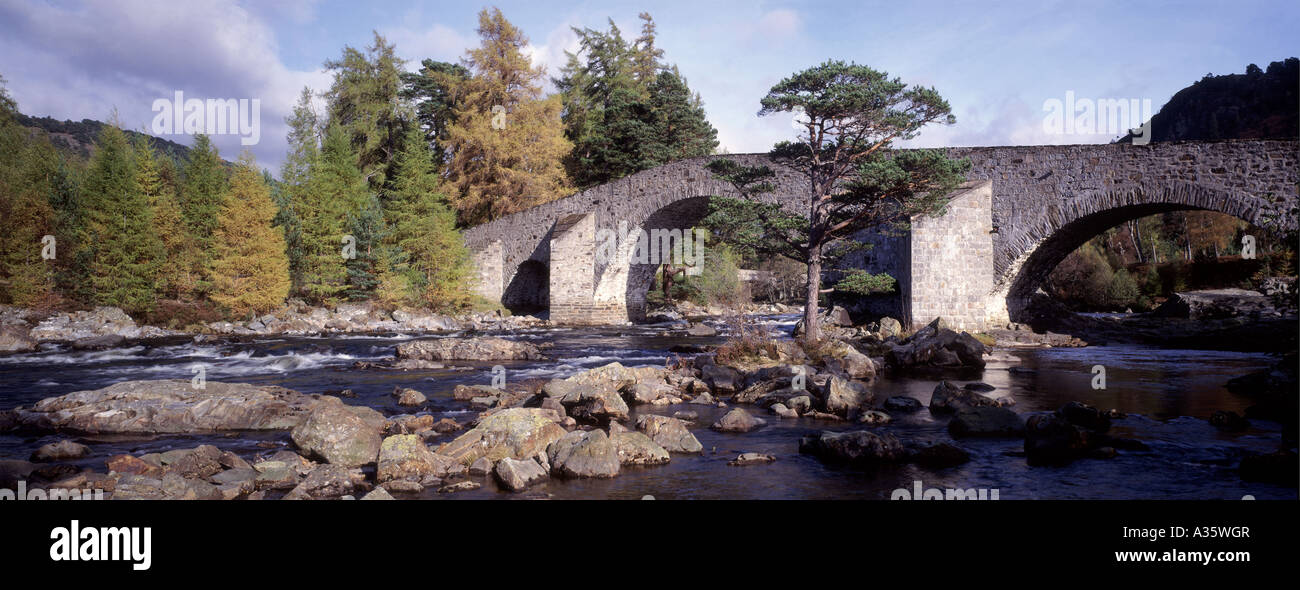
{"x": 438, "y": 42}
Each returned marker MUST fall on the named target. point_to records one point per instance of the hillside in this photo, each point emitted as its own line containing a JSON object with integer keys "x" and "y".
{"x": 1259, "y": 104}
{"x": 78, "y": 137}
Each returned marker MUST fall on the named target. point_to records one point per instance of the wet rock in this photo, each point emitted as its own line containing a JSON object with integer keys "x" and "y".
{"x": 686, "y": 415}
{"x": 986, "y": 421}
{"x": 169, "y": 406}
{"x": 1053, "y": 440}
{"x": 738, "y": 420}
{"x": 16, "y": 338}
{"x": 518, "y": 475}
{"x": 903, "y": 403}
{"x": 800, "y": 403}
{"x": 405, "y": 457}
{"x": 1086, "y": 416}
{"x": 483, "y": 348}
{"x": 14, "y": 470}
{"x": 783, "y": 412}
{"x": 745, "y": 459}
{"x": 950, "y": 398}
{"x": 378, "y": 494}
{"x": 857, "y": 447}
{"x": 1228, "y": 421}
{"x": 721, "y": 379}
{"x": 938, "y": 455}
{"x": 979, "y": 387}
{"x": 635, "y": 448}
{"x": 199, "y": 462}
{"x": 701, "y": 330}
{"x": 843, "y": 359}
{"x": 464, "y": 393}
{"x": 520, "y": 433}
{"x": 844, "y": 397}
{"x": 670, "y": 433}
{"x": 326, "y": 481}
{"x": 131, "y": 465}
{"x": 408, "y": 397}
{"x": 937, "y": 346}
{"x": 98, "y": 342}
{"x": 338, "y": 435}
{"x": 63, "y": 450}
{"x": 1215, "y": 304}
{"x": 873, "y": 418}
{"x": 584, "y": 454}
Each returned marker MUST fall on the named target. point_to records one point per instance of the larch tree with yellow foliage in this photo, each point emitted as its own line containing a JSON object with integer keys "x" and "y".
{"x": 507, "y": 141}
{"x": 250, "y": 270}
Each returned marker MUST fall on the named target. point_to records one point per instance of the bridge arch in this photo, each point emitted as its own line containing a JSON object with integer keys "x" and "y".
{"x": 1066, "y": 226}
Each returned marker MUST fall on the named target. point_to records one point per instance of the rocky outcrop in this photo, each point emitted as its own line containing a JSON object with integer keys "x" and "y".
{"x": 518, "y": 433}
{"x": 1216, "y": 304}
{"x": 950, "y": 398}
{"x": 986, "y": 421}
{"x": 347, "y": 436}
{"x": 515, "y": 475}
{"x": 169, "y": 406}
{"x": 405, "y": 457}
{"x": 936, "y": 346}
{"x": 97, "y": 323}
{"x": 670, "y": 433}
{"x": 16, "y": 338}
{"x": 584, "y": 454}
{"x": 483, "y": 348}
{"x": 60, "y": 451}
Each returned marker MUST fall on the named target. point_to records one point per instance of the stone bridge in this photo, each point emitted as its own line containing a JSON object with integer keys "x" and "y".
{"x": 1024, "y": 209}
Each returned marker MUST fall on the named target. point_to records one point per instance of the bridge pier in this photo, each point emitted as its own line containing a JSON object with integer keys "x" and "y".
{"x": 951, "y": 264}
{"x": 573, "y": 296}
{"x": 490, "y": 269}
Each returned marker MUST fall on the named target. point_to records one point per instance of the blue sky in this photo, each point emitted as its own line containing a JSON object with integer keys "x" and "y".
{"x": 996, "y": 62}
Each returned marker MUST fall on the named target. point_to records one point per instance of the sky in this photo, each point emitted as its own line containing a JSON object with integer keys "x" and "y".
{"x": 997, "y": 63}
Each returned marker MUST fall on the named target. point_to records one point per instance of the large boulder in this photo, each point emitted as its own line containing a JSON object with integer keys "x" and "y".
{"x": 405, "y": 457}
{"x": 587, "y": 454}
{"x": 61, "y": 451}
{"x": 16, "y": 338}
{"x": 340, "y": 435}
{"x": 857, "y": 447}
{"x": 169, "y": 406}
{"x": 846, "y": 398}
{"x": 670, "y": 433}
{"x": 635, "y": 448}
{"x": 519, "y": 433}
{"x": 1215, "y": 304}
{"x": 843, "y": 359}
{"x": 327, "y": 481}
{"x": 515, "y": 475}
{"x": 1052, "y": 440}
{"x": 937, "y": 346}
{"x": 721, "y": 379}
{"x": 483, "y": 348}
{"x": 593, "y": 404}
{"x": 986, "y": 421}
{"x": 738, "y": 420}
{"x": 949, "y": 398}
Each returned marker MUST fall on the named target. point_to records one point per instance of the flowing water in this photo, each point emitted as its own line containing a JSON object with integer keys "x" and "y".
{"x": 1168, "y": 394}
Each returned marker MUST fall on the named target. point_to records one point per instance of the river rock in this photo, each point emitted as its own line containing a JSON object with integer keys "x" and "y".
{"x": 408, "y": 397}
{"x": 482, "y": 348}
{"x": 873, "y": 418}
{"x": 584, "y": 454}
{"x": 517, "y": 475}
{"x": 842, "y": 359}
{"x": 1052, "y": 440}
{"x": 519, "y": 433}
{"x": 405, "y": 457}
{"x": 378, "y": 494}
{"x": 635, "y": 448}
{"x": 751, "y": 459}
{"x": 339, "y": 435}
{"x": 937, "y": 346}
{"x": 1215, "y": 304}
{"x": 950, "y": 398}
{"x": 938, "y": 455}
{"x": 701, "y": 330}
{"x": 16, "y": 338}
{"x": 903, "y": 403}
{"x": 326, "y": 481}
{"x": 670, "y": 433}
{"x": 738, "y": 420}
{"x": 1228, "y": 421}
{"x": 169, "y": 406}
{"x": 856, "y": 447}
{"x": 722, "y": 380}
{"x": 986, "y": 421}
{"x": 844, "y": 397}
{"x": 63, "y": 450}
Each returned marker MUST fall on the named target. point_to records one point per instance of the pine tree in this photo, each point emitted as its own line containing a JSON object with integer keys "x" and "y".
{"x": 26, "y": 278}
{"x": 292, "y": 193}
{"x": 507, "y": 141}
{"x": 178, "y": 270}
{"x": 364, "y": 101}
{"x": 335, "y": 190}
{"x": 372, "y": 257}
{"x": 435, "y": 263}
{"x": 250, "y": 271}
{"x": 125, "y": 253}
{"x": 681, "y": 129}
{"x": 433, "y": 92}
{"x": 201, "y": 193}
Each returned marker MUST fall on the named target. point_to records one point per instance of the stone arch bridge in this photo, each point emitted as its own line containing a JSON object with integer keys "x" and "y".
{"x": 1024, "y": 209}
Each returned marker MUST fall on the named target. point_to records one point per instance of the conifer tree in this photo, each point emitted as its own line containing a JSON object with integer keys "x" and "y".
{"x": 125, "y": 253}
{"x": 435, "y": 263}
{"x": 26, "y": 278}
{"x": 335, "y": 190}
{"x": 507, "y": 142}
{"x": 202, "y": 191}
{"x": 250, "y": 271}
{"x": 364, "y": 101}
{"x": 178, "y": 272}
{"x": 292, "y": 193}
{"x": 372, "y": 256}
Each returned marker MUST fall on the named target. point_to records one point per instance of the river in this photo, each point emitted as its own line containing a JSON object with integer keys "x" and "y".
{"x": 1167, "y": 394}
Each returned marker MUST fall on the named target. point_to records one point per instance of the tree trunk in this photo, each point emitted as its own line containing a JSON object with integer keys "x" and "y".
{"x": 811, "y": 331}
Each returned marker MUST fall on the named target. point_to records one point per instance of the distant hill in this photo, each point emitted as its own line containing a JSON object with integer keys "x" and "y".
{"x": 78, "y": 137}
{"x": 1259, "y": 104}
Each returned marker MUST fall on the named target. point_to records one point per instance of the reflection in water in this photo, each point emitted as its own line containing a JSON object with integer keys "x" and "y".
{"x": 1168, "y": 394}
